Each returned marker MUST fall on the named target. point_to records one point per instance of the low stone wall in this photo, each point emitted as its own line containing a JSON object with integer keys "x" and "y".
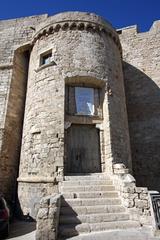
{"x": 136, "y": 199}
{"x": 48, "y": 218}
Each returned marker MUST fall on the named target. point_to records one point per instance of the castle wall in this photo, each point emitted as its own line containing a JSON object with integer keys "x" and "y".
{"x": 141, "y": 70}
{"x": 86, "y": 52}
{"x": 13, "y": 126}
{"x": 13, "y": 76}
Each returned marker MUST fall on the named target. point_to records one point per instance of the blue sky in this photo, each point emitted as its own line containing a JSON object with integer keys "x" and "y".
{"x": 120, "y": 13}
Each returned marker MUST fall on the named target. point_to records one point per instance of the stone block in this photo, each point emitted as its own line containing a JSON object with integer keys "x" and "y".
{"x": 141, "y": 203}
{"x": 44, "y": 202}
{"x": 42, "y": 213}
{"x": 140, "y": 189}
{"x": 48, "y": 218}
{"x": 143, "y": 196}
{"x": 129, "y": 203}
{"x": 128, "y": 189}
{"x": 130, "y": 195}
{"x": 52, "y": 213}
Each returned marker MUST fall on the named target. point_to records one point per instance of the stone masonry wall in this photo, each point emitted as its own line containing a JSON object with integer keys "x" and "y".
{"x": 13, "y": 76}
{"x": 141, "y": 54}
{"x": 135, "y": 199}
{"x": 13, "y": 126}
{"x": 118, "y": 121}
{"x": 85, "y": 50}
{"x": 43, "y": 131}
{"x": 48, "y": 217}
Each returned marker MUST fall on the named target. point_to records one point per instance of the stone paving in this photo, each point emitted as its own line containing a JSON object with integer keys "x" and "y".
{"x": 26, "y": 231}
{"x": 20, "y": 230}
{"x": 29, "y": 236}
{"x": 130, "y": 234}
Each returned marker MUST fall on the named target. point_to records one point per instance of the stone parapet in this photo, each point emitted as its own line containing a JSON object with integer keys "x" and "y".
{"x": 48, "y": 218}
{"x": 135, "y": 199}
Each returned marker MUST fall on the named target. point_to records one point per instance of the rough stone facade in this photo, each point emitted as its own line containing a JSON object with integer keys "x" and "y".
{"x": 13, "y": 79}
{"x": 47, "y": 223}
{"x": 41, "y": 57}
{"x": 136, "y": 199}
{"x": 141, "y": 55}
{"x": 85, "y": 52}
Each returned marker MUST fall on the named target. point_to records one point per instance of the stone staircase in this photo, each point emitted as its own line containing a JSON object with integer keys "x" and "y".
{"x": 90, "y": 203}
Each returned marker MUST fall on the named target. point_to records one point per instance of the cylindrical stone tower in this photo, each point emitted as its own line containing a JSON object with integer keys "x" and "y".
{"x": 75, "y": 116}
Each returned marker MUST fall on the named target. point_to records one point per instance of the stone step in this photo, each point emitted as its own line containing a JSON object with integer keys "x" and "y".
{"x": 93, "y": 218}
{"x": 91, "y": 209}
{"x": 92, "y": 176}
{"x": 97, "y": 194}
{"x": 85, "y": 188}
{"x": 90, "y": 202}
{"x": 86, "y": 182}
{"x": 74, "y": 229}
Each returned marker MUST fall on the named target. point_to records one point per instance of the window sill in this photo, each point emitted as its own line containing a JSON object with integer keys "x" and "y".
{"x": 83, "y": 119}
{"x": 85, "y": 116}
{"x": 45, "y": 66}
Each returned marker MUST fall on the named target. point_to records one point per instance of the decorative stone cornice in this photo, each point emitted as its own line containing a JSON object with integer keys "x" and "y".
{"x": 80, "y": 25}
{"x": 32, "y": 179}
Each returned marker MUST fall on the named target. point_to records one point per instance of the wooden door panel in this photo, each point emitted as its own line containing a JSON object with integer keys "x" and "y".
{"x": 83, "y": 152}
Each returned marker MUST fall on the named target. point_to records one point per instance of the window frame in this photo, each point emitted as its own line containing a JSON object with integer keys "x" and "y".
{"x": 45, "y": 55}
{"x": 70, "y": 101}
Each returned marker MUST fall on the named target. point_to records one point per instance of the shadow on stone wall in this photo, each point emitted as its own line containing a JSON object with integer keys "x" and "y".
{"x": 143, "y": 107}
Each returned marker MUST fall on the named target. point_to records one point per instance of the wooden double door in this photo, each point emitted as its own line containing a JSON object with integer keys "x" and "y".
{"x": 83, "y": 149}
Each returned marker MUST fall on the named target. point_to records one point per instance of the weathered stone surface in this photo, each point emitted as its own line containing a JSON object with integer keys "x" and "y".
{"x": 48, "y": 218}
{"x": 13, "y": 78}
{"x": 141, "y": 55}
{"x": 85, "y": 51}
{"x": 136, "y": 199}
{"x": 83, "y": 215}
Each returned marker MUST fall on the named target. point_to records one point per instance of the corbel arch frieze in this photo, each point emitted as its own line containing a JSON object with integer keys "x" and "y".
{"x": 79, "y": 26}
